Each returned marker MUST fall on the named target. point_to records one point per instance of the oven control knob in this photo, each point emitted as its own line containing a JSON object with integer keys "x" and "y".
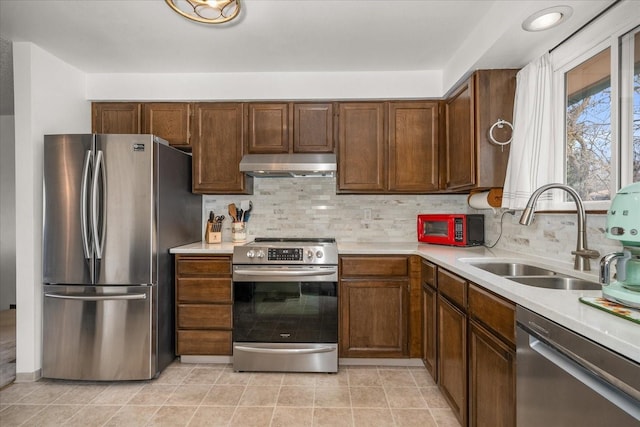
{"x": 309, "y": 254}
{"x": 260, "y": 254}
{"x": 251, "y": 253}
{"x": 319, "y": 254}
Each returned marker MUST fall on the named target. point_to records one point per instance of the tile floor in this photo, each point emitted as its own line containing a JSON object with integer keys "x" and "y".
{"x": 214, "y": 395}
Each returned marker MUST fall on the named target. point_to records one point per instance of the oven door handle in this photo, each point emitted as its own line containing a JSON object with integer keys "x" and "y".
{"x": 284, "y": 350}
{"x": 285, "y": 272}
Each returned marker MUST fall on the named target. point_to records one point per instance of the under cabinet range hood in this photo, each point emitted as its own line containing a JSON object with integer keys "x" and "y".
{"x": 289, "y": 165}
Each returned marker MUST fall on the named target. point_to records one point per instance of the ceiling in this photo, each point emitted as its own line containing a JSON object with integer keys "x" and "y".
{"x": 146, "y": 36}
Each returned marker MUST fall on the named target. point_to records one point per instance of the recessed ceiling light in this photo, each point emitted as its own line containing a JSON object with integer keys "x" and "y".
{"x": 547, "y": 18}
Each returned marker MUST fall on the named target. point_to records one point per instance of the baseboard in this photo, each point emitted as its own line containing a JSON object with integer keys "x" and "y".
{"x": 206, "y": 359}
{"x": 28, "y": 377}
{"x": 353, "y": 361}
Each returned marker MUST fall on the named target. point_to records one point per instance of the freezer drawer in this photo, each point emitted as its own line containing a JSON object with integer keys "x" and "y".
{"x": 99, "y": 332}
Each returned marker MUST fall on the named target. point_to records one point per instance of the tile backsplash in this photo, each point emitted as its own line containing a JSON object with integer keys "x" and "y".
{"x": 310, "y": 207}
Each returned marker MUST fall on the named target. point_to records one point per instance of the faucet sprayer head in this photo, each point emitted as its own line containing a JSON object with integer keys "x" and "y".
{"x": 527, "y": 216}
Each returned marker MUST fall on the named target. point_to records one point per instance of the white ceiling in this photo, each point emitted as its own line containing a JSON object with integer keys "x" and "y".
{"x": 146, "y": 36}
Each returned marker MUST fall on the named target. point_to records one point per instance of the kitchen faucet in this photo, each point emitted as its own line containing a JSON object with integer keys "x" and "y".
{"x": 582, "y": 254}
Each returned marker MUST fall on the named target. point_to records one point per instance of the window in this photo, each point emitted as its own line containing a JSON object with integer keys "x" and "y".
{"x": 599, "y": 111}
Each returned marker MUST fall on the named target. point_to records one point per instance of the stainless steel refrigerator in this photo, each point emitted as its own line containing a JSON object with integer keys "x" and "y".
{"x": 113, "y": 206}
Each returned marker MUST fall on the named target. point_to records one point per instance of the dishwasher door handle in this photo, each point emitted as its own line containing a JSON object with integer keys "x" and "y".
{"x": 586, "y": 377}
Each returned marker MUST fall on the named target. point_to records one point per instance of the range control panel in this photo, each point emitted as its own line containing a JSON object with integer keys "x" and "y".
{"x": 284, "y": 254}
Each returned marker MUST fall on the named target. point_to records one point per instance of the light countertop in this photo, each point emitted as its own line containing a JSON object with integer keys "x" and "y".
{"x": 561, "y": 306}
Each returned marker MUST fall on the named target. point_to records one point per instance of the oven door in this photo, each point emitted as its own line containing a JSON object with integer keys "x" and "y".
{"x": 285, "y": 318}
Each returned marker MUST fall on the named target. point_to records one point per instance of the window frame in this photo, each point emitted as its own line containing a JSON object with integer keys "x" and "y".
{"x": 606, "y": 32}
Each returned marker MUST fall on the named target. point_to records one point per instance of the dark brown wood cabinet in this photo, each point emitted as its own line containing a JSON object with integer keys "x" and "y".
{"x": 413, "y": 147}
{"x": 268, "y": 127}
{"x": 361, "y": 147}
{"x": 116, "y": 117}
{"x": 388, "y": 147}
{"x": 286, "y": 127}
{"x": 204, "y": 305}
{"x": 492, "y": 359}
{"x": 471, "y": 161}
{"x": 170, "y": 121}
{"x": 218, "y": 148}
{"x": 452, "y": 342}
{"x": 429, "y": 318}
{"x": 374, "y": 306}
{"x": 313, "y": 128}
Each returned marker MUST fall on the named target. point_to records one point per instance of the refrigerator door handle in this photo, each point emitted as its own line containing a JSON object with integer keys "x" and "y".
{"x": 98, "y": 172}
{"x": 83, "y": 205}
{"x": 114, "y": 297}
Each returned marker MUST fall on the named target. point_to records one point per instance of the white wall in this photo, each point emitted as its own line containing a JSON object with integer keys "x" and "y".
{"x": 243, "y": 86}
{"x": 7, "y": 213}
{"x": 49, "y": 98}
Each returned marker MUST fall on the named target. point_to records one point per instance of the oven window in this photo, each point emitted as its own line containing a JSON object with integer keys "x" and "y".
{"x": 297, "y": 312}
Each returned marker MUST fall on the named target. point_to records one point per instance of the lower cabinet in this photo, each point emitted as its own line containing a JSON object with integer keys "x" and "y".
{"x": 475, "y": 343}
{"x": 204, "y": 305}
{"x": 452, "y": 357}
{"x": 374, "y": 306}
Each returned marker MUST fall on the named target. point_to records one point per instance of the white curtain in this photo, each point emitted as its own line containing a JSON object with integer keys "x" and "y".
{"x": 531, "y": 154}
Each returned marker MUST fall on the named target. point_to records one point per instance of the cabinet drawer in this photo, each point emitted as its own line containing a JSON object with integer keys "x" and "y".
{"x": 374, "y": 266}
{"x": 428, "y": 274}
{"x": 454, "y": 287}
{"x": 204, "y": 343}
{"x": 204, "y": 290}
{"x": 203, "y": 266}
{"x": 497, "y": 313}
{"x": 204, "y": 316}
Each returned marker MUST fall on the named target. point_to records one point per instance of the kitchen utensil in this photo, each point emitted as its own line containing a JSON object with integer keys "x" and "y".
{"x": 246, "y": 206}
{"x": 233, "y": 213}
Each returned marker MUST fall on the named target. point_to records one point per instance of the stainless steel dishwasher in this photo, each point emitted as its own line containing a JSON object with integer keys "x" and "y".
{"x": 564, "y": 379}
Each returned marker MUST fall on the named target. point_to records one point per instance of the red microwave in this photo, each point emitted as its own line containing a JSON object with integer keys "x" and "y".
{"x": 451, "y": 229}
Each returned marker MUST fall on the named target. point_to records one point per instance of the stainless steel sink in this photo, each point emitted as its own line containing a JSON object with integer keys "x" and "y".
{"x": 538, "y": 277}
{"x": 513, "y": 269}
{"x": 557, "y": 282}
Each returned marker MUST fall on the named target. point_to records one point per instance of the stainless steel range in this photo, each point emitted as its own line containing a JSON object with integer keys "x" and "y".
{"x": 285, "y": 313}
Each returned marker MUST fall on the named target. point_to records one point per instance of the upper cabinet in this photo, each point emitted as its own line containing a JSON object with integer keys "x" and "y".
{"x": 313, "y": 130}
{"x": 218, "y": 149}
{"x": 116, "y": 117}
{"x": 388, "y": 147}
{"x": 471, "y": 161}
{"x": 285, "y": 127}
{"x": 170, "y": 121}
{"x": 268, "y": 125}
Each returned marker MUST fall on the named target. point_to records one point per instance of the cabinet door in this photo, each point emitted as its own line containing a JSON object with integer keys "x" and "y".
{"x": 429, "y": 330}
{"x": 374, "y": 318}
{"x": 452, "y": 357}
{"x": 361, "y": 148}
{"x": 115, "y": 117}
{"x": 218, "y": 149}
{"x": 492, "y": 381}
{"x": 268, "y": 125}
{"x": 460, "y": 138}
{"x": 413, "y": 147}
{"x": 313, "y": 128}
{"x": 170, "y": 121}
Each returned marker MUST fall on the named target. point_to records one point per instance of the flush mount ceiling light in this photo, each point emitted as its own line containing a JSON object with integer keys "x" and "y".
{"x": 547, "y": 18}
{"x": 206, "y": 11}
